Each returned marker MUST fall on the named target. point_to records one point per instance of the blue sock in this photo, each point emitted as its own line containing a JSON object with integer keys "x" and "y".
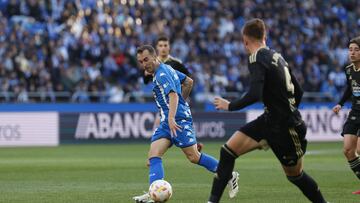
{"x": 156, "y": 171}
{"x": 209, "y": 162}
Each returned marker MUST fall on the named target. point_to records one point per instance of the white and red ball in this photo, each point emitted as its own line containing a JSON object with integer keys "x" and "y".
{"x": 160, "y": 191}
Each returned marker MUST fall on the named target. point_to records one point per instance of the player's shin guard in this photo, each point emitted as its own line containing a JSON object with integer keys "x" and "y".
{"x": 308, "y": 186}
{"x": 156, "y": 171}
{"x": 223, "y": 173}
{"x": 355, "y": 166}
{"x": 209, "y": 162}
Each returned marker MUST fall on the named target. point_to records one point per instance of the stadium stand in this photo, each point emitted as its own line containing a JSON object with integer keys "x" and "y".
{"x": 83, "y": 51}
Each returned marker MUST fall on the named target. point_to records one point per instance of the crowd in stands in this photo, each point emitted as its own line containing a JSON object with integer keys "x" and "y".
{"x": 87, "y": 48}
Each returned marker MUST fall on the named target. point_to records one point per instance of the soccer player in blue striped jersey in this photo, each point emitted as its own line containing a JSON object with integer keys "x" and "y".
{"x": 170, "y": 89}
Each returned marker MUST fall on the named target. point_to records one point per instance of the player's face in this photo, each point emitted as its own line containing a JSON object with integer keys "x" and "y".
{"x": 354, "y": 53}
{"x": 163, "y": 48}
{"x": 147, "y": 61}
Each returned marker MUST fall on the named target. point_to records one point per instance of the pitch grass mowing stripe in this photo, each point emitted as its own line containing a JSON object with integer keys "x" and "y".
{"x": 115, "y": 173}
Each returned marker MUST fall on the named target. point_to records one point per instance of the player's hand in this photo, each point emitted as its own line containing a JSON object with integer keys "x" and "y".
{"x": 173, "y": 127}
{"x": 221, "y": 103}
{"x": 336, "y": 108}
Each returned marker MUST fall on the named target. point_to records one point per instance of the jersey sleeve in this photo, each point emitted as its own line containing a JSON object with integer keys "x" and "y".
{"x": 257, "y": 77}
{"x": 180, "y": 67}
{"x": 298, "y": 90}
{"x": 166, "y": 83}
{"x": 347, "y": 93}
{"x": 181, "y": 76}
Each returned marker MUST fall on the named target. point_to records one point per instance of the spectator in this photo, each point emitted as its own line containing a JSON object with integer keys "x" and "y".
{"x": 76, "y": 39}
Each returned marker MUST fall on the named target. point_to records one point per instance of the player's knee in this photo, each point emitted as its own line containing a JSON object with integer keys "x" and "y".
{"x": 349, "y": 153}
{"x": 193, "y": 158}
{"x": 293, "y": 173}
{"x": 154, "y": 153}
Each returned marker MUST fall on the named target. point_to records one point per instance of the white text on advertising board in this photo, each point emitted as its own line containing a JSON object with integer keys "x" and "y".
{"x": 105, "y": 126}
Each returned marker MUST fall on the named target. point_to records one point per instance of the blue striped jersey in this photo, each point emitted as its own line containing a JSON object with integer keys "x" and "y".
{"x": 167, "y": 80}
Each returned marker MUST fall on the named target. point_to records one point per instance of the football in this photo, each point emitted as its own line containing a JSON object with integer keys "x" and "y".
{"x": 160, "y": 191}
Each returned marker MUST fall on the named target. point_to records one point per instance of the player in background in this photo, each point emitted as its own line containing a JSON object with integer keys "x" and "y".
{"x": 351, "y": 130}
{"x": 280, "y": 127}
{"x": 176, "y": 125}
{"x": 163, "y": 50}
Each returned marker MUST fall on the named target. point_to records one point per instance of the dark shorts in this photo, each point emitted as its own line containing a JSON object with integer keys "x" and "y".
{"x": 352, "y": 124}
{"x": 287, "y": 142}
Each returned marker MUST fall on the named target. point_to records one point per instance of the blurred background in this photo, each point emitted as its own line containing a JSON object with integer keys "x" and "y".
{"x": 76, "y": 116}
{"x": 84, "y": 51}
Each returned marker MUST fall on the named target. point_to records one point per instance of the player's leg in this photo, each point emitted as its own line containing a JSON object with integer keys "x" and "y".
{"x": 186, "y": 140}
{"x": 238, "y": 144}
{"x": 289, "y": 146}
{"x": 199, "y": 146}
{"x": 156, "y": 152}
{"x": 358, "y": 147}
{"x": 350, "y": 133}
{"x": 245, "y": 140}
{"x": 160, "y": 142}
{"x": 358, "y": 153}
{"x": 156, "y": 169}
{"x": 202, "y": 159}
{"x": 211, "y": 164}
{"x": 308, "y": 186}
{"x": 350, "y": 148}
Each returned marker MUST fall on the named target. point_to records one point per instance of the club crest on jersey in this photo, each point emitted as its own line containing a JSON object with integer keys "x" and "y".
{"x": 348, "y": 71}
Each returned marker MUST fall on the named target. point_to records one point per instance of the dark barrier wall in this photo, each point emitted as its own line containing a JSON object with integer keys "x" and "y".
{"x": 136, "y": 126}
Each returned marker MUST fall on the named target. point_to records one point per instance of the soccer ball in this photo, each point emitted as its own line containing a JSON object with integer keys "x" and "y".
{"x": 160, "y": 191}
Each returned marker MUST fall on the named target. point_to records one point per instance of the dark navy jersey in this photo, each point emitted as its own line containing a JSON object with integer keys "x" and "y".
{"x": 271, "y": 82}
{"x": 167, "y": 80}
{"x": 353, "y": 87}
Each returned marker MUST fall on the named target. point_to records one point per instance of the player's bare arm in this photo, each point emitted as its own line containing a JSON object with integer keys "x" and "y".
{"x": 346, "y": 95}
{"x": 186, "y": 87}
{"x": 173, "y": 103}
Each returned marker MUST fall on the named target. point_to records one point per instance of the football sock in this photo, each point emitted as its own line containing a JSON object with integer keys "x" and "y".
{"x": 156, "y": 171}
{"x": 355, "y": 166}
{"x": 223, "y": 173}
{"x": 209, "y": 162}
{"x": 308, "y": 186}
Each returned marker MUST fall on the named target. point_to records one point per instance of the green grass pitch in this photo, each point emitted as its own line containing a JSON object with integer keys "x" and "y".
{"x": 115, "y": 173}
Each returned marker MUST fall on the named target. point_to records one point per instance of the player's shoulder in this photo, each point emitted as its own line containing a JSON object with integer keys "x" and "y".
{"x": 161, "y": 71}
{"x": 348, "y": 66}
{"x": 174, "y": 59}
{"x": 164, "y": 70}
{"x": 261, "y": 55}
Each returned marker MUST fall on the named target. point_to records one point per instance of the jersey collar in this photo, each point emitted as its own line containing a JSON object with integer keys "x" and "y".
{"x": 356, "y": 69}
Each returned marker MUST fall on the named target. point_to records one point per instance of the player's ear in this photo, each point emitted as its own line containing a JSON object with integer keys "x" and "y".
{"x": 246, "y": 43}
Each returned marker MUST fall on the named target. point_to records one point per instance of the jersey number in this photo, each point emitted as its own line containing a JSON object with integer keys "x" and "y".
{"x": 289, "y": 84}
